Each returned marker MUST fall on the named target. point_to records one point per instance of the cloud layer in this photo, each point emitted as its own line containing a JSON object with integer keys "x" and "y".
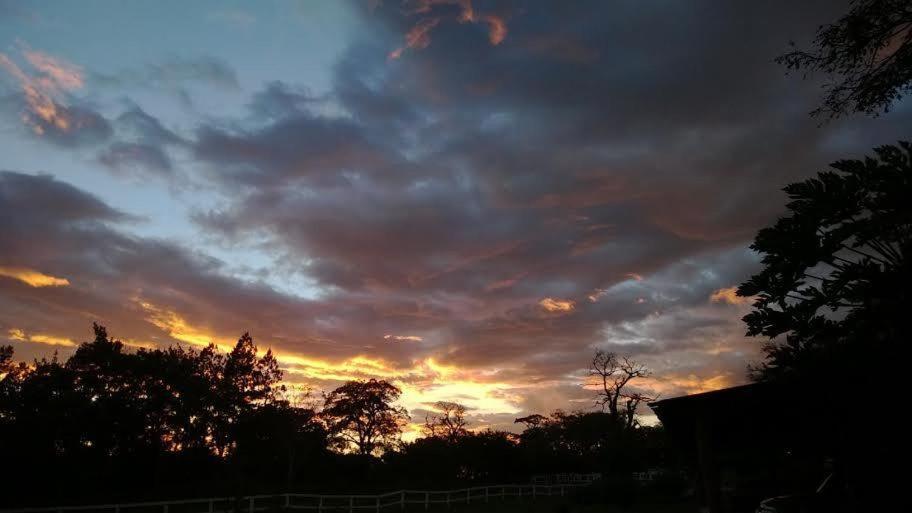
{"x": 486, "y": 194}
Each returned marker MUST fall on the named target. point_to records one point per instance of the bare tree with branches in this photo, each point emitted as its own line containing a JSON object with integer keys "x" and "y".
{"x": 449, "y": 423}
{"x": 614, "y": 374}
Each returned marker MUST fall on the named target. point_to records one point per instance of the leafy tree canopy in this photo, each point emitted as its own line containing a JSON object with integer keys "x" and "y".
{"x": 361, "y": 416}
{"x": 867, "y": 54}
{"x": 835, "y": 278}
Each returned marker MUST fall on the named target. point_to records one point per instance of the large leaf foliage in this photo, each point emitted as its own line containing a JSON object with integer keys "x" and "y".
{"x": 835, "y": 277}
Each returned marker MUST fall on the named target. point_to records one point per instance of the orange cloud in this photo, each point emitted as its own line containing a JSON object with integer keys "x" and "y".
{"x": 60, "y": 73}
{"x": 729, "y": 295}
{"x": 39, "y": 338}
{"x": 556, "y": 305}
{"x": 42, "y": 89}
{"x": 419, "y": 36}
{"x": 32, "y": 277}
{"x": 497, "y": 29}
{"x": 176, "y": 326}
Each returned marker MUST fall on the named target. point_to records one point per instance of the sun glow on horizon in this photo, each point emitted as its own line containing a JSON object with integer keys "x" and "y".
{"x": 423, "y": 381}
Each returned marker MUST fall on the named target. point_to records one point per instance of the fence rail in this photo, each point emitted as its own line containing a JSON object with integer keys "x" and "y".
{"x": 320, "y": 503}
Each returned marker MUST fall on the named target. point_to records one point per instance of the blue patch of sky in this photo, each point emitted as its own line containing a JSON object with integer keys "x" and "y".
{"x": 295, "y": 42}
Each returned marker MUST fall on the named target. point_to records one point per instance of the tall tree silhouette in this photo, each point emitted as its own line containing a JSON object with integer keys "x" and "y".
{"x": 835, "y": 281}
{"x": 6, "y": 360}
{"x": 614, "y": 375}
{"x": 361, "y": 416}
{"x": 867, "y": 54}
{"x": 449, "y": 423}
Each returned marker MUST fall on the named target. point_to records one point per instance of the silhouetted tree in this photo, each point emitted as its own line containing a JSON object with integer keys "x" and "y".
{"x": 585, "y": 441}
{"x": 113, "y": 424}
{"x": 832, "y": 303}
{"x": 449, "y": 423}
{"x": 246, "y": 381}
{"x": 360, "y": 415}
{"x": 480, "y": 457}
{"x": 835, "y": 279}
{"x": 107, "y": 419}
{"x": 277, "y": 439}
{"x": 868, "y": 55}
{"x": 6, "y": 360}
{"x": 532, "y": 421}
{"x": 614, "y": 375}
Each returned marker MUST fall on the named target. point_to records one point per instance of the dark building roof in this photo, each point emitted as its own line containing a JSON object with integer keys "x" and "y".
{"x": 715, "y": 397}
{"x": 756, "y": 413}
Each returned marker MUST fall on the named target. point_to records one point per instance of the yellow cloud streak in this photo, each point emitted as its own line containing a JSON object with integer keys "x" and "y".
{"x": 33, "y": 278}
{"x": 39, "y": 338}
{"x": 175, "y": 326}
{"x": 424, "y": 382}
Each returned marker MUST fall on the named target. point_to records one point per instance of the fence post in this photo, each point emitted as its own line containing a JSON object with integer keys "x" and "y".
{"x": 402, "y": 500}
{"x": 487, "y": 493}
{"x": 211, "y": 506}
{"x": 320, "y": 505}
{"x": 534, "y": 491}
{"x": 377, "y": 504}
{"x": 351, "y": 504}
{"x": 164, "y": 508}
{"x": 250, "y": 504}
{"x": 426, "y": 500}
{"x": 448, "y": 498}
{"x": 562, "y": 490}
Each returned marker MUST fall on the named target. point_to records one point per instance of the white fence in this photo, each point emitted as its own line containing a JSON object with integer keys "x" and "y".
{"x": 564, "y": 479}
{"x": 329, "y": 503}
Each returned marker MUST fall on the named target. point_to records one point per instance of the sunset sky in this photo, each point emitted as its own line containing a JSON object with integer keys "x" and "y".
{"x": 466, "y": 198}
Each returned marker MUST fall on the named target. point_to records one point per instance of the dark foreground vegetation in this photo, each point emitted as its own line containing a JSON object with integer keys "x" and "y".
{"x": 109, "y": 424}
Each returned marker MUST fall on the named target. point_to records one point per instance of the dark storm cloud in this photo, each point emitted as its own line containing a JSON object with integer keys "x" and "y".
{"x": 466, "y": 182}
{"x": 20, "y": 193}
{"x": 590, "y": 180}
{"x": 142, "y": 145}
{"x": 53, "y": 228}
{"x": 316, "y": 148}
{"x": 144, "y": 289}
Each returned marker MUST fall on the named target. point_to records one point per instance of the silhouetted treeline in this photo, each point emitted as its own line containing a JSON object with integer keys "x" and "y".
{"x": 111, "y": 424}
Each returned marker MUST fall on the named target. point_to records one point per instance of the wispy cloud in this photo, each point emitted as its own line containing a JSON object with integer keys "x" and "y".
{"x": 42, "y": 87}
{"x": 403, "y": 338}
{"x": 44, "y": 83}
{"x": 39, "y": 338}
{"x": 32, "y": 277}
{"x": 419, "y": 36}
